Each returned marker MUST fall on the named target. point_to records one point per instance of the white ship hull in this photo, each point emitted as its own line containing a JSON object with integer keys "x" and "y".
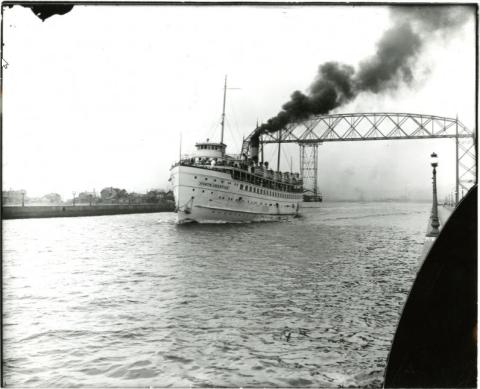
{"x": 207, "y": 196}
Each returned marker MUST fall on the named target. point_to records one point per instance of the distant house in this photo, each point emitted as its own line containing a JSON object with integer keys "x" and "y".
{"x": 158, "y": 195}
{"x": 85, "y": 197}
{"x": 136, "y": 198}
{"x": 13, "y": 197}
{"x": 52, "y": 198}
{"x": 114, "y": 196}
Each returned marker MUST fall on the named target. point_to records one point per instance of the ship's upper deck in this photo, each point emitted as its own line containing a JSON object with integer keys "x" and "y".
{"x": 246, "y": 170}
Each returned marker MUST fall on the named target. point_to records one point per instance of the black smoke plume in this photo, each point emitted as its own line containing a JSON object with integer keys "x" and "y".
{"x": 392, "y": 64}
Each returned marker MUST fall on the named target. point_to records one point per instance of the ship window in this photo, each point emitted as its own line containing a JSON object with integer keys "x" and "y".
{"x": 195, "y": 177}
{"x": 206, "y": 179}
{"x": 221, "y": 181}
{"x": 203, "y": 191}
{"x": 241, "y": 186}
{"x": 193, "y": 190}
{"x": 214, "y": 180}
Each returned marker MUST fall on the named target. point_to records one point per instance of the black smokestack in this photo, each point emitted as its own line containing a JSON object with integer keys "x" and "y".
{"x": 392, "y": 64}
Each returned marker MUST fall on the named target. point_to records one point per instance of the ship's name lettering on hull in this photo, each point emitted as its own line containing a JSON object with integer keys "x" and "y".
{"x": 214, "y": 185}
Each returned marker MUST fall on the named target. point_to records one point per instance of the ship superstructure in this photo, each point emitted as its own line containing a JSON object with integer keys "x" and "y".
{"x": 211, "y": 186}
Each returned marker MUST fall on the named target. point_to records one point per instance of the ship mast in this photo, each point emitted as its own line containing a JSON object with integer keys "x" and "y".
{"x": 223, "y": 110}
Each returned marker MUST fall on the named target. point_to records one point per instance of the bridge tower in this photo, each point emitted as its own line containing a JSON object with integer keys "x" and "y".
{"x": 309, "y": 171}
{"x": 465, "y": 169}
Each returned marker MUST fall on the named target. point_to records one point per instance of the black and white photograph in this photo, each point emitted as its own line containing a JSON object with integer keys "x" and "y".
{"x": 239, "y": 195}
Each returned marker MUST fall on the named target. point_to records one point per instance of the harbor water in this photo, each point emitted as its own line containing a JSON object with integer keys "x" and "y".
{"x": 136, "y": 300}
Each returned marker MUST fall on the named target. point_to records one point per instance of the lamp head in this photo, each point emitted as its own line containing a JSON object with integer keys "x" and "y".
{"x": 434, "y": 159}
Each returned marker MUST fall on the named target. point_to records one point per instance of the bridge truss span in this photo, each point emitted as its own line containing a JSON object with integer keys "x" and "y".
{"x": 369, "y": 126}
{"x": 347, "y": 127}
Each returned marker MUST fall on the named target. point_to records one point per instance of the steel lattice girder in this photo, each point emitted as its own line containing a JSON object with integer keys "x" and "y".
{"x": 368, "y": 126}
{"x": 349, "y": 127}
{"x": 309, "y": 167}
{"x": 466, "y": 163}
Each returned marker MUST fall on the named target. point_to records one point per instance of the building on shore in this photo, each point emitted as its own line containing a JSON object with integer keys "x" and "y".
{"x": 13, "y": 197}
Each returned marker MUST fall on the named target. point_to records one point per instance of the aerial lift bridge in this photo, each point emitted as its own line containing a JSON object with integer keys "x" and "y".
{"x": 348, "y": 127}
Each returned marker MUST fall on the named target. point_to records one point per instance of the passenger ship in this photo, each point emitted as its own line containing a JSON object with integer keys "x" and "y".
{"x": 213, "y": 187}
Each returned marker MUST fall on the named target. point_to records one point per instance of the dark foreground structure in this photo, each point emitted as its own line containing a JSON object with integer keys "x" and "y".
{"x": 435, "y": 345}
{"x": 28, "y": 212}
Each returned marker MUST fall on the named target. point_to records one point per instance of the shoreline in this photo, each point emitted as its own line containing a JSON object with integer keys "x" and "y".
{"x": 47, "y": 211}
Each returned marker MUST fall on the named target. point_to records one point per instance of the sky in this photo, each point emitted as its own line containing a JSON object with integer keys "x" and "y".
{"x": 100, "y": 96}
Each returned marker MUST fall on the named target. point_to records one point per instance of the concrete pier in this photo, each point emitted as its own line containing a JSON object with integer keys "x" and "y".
{"x": 27, "y": 212}
{"x": 444, "y": 213}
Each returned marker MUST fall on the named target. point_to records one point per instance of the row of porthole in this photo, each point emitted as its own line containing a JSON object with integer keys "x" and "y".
{"x": 220, "y": 197}
{"x": 270, "y": 205}
{"x": 250, "y": 202}
{"x": 257, "y": 190}
{"x": 215, "y": 180}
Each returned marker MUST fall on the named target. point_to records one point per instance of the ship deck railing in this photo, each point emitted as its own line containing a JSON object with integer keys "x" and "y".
{"x": 249, "y": 177}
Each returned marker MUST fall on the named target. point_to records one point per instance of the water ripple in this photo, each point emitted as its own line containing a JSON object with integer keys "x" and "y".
{"x": 135, "y": 300}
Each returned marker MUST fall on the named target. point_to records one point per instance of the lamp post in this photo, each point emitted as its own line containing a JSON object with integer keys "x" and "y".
{"x": 434, "y": 217}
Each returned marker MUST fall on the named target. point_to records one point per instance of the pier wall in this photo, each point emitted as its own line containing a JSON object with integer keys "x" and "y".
{"x": 42, "y": 211}
{"x": 444, "y": 213}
